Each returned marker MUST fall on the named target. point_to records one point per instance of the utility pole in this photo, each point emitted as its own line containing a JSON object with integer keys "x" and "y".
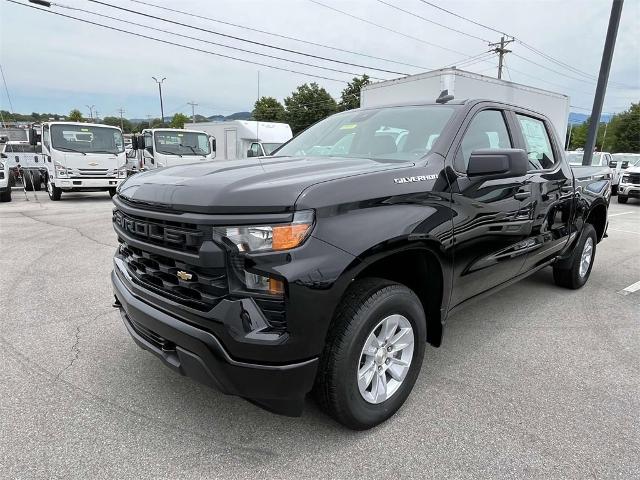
{"x": 603, "y": 78}
{"x": 159, "y": 82}
{"x": 121, "y": 110}
{"x": 90, "y": 107}
{"x": 97, "y": 117}
{"x": 193, "y": 110}
{"x": 501, "y": 51}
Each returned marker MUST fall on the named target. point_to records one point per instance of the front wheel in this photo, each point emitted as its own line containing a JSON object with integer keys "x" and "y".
{"x": 54, "y": 192}
{"x": 575, "y": 272}
{"x": 373, "y": 353}
{"x": 622, "y": 199}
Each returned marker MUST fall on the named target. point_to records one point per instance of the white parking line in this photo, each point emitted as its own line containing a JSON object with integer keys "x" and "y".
{"x": 623, "y": 213}
{"x": 630, "y": 289}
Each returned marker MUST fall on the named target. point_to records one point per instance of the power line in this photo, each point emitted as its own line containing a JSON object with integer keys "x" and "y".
{"x": 277, "y": 35}
{"x": 385, "y": 28}
{"x": 431, "y": 21}
{"x": 296, "y": 52}
{"x": 179, "y": 44}
{"x": 6, "y": 89}
{"x": 554, "y": 71}
{"x": 465, "y": 18}
{"x": 211, "y": 42}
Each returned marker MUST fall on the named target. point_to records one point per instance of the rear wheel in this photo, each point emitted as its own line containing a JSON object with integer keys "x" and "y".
{"x": 575, "y": 272}
{"x": 622, "y": 199}
{"x": 6, "y": 196}
{"x": 54, "y": 192}
{"x": 614, "y": 189}
{"x": 373, "y": 353}
{"x": 36, "y": 180}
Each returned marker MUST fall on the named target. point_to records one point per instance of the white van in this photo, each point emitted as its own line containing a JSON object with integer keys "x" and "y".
{"x": 82, "y": 157}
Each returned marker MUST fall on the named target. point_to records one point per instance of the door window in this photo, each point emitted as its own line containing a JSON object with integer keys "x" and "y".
{"x": 487, "y": 130}
{"x": 255, "y": 149}
{"x": 537, "y": 142}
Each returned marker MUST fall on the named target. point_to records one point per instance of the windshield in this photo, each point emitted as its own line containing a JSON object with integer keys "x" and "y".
{"x": 270, "y": 147}
{"x": 15, "y": 134}
{"x": 634, "y": 160}
{"x": 182, "y": 143}
{"x": 392, "y": 133}
{"x": 86, "y": 139}
{"x": 575, "y": 158}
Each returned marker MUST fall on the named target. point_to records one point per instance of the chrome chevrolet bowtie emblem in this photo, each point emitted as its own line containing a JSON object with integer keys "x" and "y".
{"x": 184, "y": 275}
{"x": 93, "y": 164}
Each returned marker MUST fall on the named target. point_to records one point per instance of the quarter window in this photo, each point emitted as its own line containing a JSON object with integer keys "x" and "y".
{"x": 487, "y": 130}
{"x": 537, "y": 142}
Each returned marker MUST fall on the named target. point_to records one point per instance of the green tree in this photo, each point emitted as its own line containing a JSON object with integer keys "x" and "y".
{"x": 308, "y": 104}
{"x": 625, "y": 129}
{"x": 127, "y": 127}
{"x": 75, "y": 115}
{"x": 268, "y": 109}
{"x": 178, "y": 120}
{"x": 350, "y": 96}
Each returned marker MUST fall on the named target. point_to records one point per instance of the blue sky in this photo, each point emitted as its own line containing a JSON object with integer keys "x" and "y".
{"x": 54, "y": 64}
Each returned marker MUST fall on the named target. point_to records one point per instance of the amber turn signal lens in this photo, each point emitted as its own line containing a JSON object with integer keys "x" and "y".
{"x": 289, "y": 236}
{"x": 276, "y": 287}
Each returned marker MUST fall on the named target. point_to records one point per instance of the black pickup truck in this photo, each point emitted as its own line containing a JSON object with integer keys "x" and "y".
{"x": 330, "y": 265}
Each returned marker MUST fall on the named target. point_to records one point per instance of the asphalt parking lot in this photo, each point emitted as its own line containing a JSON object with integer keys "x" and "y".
{"x": 535, "y": 382}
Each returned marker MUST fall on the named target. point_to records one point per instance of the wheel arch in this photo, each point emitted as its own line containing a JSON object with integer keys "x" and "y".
{"x": 597, "y": 216}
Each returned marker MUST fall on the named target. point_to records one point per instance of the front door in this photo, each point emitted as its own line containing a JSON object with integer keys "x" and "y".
{"x": 492, "y": 217}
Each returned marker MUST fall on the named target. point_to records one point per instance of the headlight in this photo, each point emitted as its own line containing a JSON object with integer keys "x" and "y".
{"x": 268, "y": 237}
{"x": 625, "y": 178}
{"x": 61, "y": 171}
{"x": 122, "y": 171}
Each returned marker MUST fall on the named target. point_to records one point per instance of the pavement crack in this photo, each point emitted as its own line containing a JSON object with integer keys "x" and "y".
{"x": 75, "y": 348}
{"x": 76, "y": 229}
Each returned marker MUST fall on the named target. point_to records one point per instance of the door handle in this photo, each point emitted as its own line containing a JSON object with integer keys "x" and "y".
{"x": 522, "y": 195}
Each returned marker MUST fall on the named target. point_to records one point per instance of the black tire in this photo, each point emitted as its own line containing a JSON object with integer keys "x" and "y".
{"x": 12, "y": 179}
{"x": 26, "y": 181}
{"x": 112, "y": 192}
{"x": 365, "y": 305}
{"x": 614, "y": 190}
{"x": 54, "y": 192}
{"x": 567, "y": 273}
{"x": 6, "y": 196}
{"x": 36, "y": 181}
{"x": 622, "y": 199}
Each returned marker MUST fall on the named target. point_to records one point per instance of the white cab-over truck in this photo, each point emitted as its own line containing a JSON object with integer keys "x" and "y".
{"x": 5, "y": 186}
{"x": 168, "y": 147}
{"x": 82, "y": 157}
{"x": 238, "y": 139}
{"x": 23, "y": 153}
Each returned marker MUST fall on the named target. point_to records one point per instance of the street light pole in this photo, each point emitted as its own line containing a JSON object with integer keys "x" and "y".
{"x": 603, "y": 77}
{"x": 90, "y": 111}
{"x": 159, "y": 82}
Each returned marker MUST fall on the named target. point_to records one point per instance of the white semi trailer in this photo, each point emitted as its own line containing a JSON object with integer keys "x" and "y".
{"x": 239, "y": 139}
{"x": 426, "y": 87}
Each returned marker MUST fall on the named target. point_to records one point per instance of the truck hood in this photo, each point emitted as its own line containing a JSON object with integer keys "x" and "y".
{"x": 259, "y": 185}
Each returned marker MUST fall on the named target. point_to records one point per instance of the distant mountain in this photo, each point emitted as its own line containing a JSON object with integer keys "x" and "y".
{"x": 579, "y": 118}
{"x": 200, "y": 118}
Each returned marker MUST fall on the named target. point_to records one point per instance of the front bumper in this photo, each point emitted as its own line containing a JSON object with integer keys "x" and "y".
{"x": 87, "y": 183}
{"x": 629, "y": 190}
{"x": 198, "y": 354}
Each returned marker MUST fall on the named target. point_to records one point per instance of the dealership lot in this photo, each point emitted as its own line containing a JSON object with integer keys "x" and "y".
{"x": 536, "y": 381}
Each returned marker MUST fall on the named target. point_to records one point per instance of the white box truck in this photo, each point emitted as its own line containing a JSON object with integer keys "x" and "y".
{"x": 168, "y": 147}
{"x": 239, "y": 139}
{"x": 82, "y": 157}
{"x": 426, "y": 87}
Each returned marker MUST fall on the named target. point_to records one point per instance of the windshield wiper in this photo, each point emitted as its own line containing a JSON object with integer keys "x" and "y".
{"x": 105, "y": 151}
{"x": 168, "y": 153}
{"x": 192, "y": 149}
{"x": 66, "y": 149}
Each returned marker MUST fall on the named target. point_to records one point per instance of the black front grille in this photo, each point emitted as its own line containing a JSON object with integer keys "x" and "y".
{"x": 195, "y": 287}
{"x": 178, "y": 236}
{"x": 634, "y": 178}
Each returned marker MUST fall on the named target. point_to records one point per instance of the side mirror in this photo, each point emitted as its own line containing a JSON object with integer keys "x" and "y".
{"x": 213, "y": 145}
{"x": 625, "y": 165}
{"x": 134, "y": 142}
{"x": 613, "y": 164}
{"x": 249, "y": 153}
{"x": 4, "y": 155}
{"x": 33, "y": 137}
{"x": 497, "y": 163}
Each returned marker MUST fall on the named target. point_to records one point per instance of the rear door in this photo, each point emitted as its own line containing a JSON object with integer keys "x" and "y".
{"x": 492, "y": 217}
{"x": 551, "y": 184}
